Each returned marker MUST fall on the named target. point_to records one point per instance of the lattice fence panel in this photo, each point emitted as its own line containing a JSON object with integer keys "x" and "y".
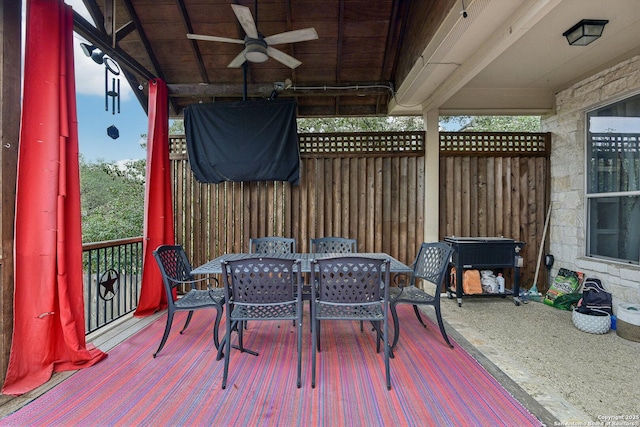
{"x": 492, "y": 144}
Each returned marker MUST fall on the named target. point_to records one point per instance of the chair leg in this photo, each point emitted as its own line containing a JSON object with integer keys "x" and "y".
{"x": 227, "y": 353}
{"x": 300, "y": 351}
{"x": 441, "y": 325}
{"x": 314, "y": 349}
{"x": 387, "y": 350}
{"x": 241, "y": 336}
{"x": 220, "y": 354}
{"x": 417, "y": 311}
{"x": 396, "y": 325}
{"x": 216, "y": 326}
{"x": 167, "y": 328}
{"x": 187, "y": 322}
{"x": 318, "y": 335}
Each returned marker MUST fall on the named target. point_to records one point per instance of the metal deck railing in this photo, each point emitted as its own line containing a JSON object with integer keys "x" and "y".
{"x": 112, "y": 280}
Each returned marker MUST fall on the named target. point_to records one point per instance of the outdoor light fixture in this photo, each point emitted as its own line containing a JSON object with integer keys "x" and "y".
{"x": 92, "y": 52}
{"x": 585, "y": 31}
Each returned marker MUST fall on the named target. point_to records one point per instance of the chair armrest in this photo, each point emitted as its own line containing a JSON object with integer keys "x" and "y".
{"x": 399, "y": 279}
{"x": 215, "y": 280}
{"x": 189, "y": 282}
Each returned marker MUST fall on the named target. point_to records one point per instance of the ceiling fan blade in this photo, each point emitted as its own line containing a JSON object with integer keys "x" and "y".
{"x": 246, "y": 20}
{"x": 214, "y": 39}
{"x": 282, "y": 57}
{"x": 237, "y": 61}
{"x": 292, "y": 36}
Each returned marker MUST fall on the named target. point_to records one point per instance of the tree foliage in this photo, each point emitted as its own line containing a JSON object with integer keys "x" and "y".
{"x": 112, "y": 199}
{"x": 405, "y": 123}
{"x": 360, "y": 124}
{"x": 341, "y": 124}
{"x": 176, "y": 127}
{"x": 490, "y": 123}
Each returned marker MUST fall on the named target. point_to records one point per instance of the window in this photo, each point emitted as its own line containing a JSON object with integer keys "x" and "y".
{"x": 613, "y": 181}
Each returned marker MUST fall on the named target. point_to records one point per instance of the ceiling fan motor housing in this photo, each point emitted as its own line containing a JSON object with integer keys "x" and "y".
{"x": 256, "y": 50}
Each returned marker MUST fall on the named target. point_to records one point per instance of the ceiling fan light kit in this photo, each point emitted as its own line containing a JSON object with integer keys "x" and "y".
{"x": 255, "y": 50}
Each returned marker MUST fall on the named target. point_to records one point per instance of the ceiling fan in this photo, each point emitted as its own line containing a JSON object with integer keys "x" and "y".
{"x": 258, "y": 48}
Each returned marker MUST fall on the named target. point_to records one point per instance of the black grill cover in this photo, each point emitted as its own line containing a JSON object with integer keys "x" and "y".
{"x": 243, "y": 141}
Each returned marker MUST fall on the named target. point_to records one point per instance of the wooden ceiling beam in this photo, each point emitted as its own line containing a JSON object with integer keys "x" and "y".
{"x": 395, "y": 36}
{"x": 125, "y": 30}
{"x": 348, "y": 111}
{"x": 226, "y": 90}
{"x": 98, "y": 39}
{"x": 145, "y": 41}
{"x": 186, "y": 20}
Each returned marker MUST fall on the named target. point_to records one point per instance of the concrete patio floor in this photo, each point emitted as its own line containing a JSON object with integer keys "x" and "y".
{"x": 580, "y": 378}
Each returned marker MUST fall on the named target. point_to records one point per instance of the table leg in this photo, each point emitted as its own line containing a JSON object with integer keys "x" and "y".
{"x": 516, "y": 286}
{"x": 459, "y": 284}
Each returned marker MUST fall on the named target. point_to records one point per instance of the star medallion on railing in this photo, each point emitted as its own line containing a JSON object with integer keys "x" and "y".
{"x": 109, "y": 284}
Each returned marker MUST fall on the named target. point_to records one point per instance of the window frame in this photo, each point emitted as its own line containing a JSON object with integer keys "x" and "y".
{"x": 590, "y": 194}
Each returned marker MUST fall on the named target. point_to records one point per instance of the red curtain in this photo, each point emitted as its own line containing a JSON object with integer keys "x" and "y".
{"x": 158, "y": 207}
{"x": 49, "y": 326}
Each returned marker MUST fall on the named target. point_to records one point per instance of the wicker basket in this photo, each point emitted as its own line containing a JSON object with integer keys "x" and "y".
{"x": 591, "y": 324}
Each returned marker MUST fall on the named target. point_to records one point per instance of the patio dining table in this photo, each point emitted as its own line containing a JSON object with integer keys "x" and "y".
{"x": 215, "y": 265}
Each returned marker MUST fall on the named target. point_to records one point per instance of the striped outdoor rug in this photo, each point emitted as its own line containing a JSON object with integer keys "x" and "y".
{"x": 432, "y": 385}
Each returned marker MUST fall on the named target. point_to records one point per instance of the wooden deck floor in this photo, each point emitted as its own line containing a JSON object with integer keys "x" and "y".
{"x": 105, "y": 340}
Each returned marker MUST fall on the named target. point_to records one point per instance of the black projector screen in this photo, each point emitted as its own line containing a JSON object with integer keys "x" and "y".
{"x": 243, "y": 141}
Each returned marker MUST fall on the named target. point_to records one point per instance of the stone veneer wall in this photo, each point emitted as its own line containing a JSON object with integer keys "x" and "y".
{"x": 567, "y": 230}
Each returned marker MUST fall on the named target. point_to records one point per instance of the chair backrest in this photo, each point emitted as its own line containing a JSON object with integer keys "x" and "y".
{"x": 431, "y": 263}
{"x": 174, "y": 266}
{"x": 272, "y": 245}
{"x": 334, "y": 245}
{"x": 261, "y": 280}
{"x": 352, "y": 280}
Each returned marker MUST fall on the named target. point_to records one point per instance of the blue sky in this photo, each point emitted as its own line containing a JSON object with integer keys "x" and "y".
{"x": 93, "y": 122}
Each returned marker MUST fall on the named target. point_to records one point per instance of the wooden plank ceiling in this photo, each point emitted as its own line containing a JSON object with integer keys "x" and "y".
{"x": 364, "y": 49}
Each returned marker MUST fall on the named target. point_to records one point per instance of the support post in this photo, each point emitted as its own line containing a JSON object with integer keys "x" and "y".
{"x": 10, "y": 70}
{"x": 432, "y": 176}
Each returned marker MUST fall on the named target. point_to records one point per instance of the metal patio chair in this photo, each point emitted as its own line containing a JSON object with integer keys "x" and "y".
{"x": 430, "y": 265}
{"x": 351, "y": 288}
{"x": 272, "y": 245}
{"x": 176, "y": 271}
{"x": 328, "y": 245}
{"x": 260, "y": 289}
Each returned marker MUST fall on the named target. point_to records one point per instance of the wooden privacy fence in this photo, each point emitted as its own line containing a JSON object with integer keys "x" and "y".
{"x": 370, "y": 187}
{"x": 497, "y": 184}
{"x": 363, "y": 186}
